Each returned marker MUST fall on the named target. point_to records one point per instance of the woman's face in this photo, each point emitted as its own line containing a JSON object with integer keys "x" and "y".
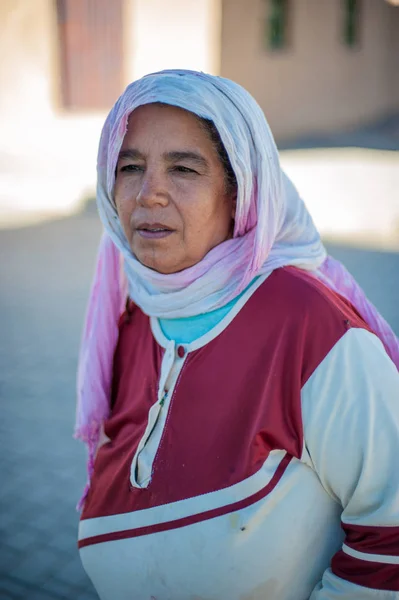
{"x": 170, "y": 190}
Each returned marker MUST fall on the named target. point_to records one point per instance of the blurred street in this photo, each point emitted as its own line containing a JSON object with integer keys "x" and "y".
{"x": 45, "y": 272}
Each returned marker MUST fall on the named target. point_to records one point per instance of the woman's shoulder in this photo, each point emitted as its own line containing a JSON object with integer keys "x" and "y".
{"x": 304, "y": 317}
{"x": 297, "y": 295}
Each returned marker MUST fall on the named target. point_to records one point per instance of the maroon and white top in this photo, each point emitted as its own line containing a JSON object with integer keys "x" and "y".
{"x": 258, "y": 462}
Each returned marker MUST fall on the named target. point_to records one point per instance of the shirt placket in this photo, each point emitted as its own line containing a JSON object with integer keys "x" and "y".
{"x": 142, "y": 463}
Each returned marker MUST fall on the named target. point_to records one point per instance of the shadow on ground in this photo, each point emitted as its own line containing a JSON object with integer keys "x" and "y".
{"x": 382, "y": 134}
{"x": 45, "y": 272}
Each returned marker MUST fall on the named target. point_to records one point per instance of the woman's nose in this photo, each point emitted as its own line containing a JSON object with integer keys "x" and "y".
{"x": 152, "y": 191}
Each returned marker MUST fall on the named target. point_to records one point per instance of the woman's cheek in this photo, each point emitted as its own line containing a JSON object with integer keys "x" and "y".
{"x": 124, "y": 213}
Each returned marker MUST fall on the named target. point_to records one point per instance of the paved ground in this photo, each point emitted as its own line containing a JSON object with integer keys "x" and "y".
{"x": 45, "y": 272}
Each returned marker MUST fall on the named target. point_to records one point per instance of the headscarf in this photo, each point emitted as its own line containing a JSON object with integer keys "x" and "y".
{"x": 272, "y": 229}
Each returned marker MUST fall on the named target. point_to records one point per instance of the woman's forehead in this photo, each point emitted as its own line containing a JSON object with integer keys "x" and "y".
{"x": 167, "y": 124}
{"x": 156, "y": 112}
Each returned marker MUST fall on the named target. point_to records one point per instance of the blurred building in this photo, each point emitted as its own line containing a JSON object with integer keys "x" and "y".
{"x": 313, "y": 65}
{"x": 63, "y": 64}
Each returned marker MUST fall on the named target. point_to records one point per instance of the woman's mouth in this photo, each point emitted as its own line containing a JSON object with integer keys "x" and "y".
{"x": 153, "y": 231}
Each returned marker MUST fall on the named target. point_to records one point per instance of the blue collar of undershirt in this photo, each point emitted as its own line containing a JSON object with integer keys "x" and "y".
{"x": 188, "y": 329}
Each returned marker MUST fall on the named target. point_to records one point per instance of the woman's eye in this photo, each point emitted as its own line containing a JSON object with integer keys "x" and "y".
{"x": 131, "y": 169}
{"x": 182, "y": 169}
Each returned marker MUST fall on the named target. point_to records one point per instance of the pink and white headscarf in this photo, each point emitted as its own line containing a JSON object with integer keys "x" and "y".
{"x": 272, "y": 229}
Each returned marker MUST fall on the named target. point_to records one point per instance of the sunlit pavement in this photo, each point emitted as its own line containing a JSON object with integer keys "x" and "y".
{"x": 350, "y": 181}
{"x": 45, "y": 272}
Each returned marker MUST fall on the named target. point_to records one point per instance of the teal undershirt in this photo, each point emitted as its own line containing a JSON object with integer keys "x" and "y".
{"x": 188, "y": 329}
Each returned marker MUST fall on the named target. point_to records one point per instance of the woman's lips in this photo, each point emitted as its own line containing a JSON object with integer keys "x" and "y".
{"x": 154, "y": 232}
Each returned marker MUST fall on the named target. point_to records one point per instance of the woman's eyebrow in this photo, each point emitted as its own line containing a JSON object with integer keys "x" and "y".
{"x": 131, "y": 153}
{"x": 187, "y": 155}
{"x": 174, "y": 156}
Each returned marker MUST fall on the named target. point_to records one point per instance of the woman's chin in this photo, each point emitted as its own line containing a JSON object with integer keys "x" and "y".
{"x": 160, "y": 265}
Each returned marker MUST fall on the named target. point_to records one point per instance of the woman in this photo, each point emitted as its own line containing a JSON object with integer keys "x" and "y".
{"x": 243, "y": 416}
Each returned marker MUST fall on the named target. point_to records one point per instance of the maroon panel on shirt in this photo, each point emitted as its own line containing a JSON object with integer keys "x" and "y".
{"x": 378, "y": 576}
{"x": 137, "y": 364}
{"x": 374, "y": 540}
{"x": 236, "y": 399}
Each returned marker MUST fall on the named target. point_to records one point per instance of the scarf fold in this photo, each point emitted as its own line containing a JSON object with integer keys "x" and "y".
{"x": 272, "y": 229}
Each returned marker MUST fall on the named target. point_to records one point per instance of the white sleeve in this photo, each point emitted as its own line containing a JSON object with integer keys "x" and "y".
{"x": 350, "y": 408}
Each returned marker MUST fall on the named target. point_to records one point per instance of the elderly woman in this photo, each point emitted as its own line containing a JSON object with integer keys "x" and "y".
{"x": 242, "y": 411}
